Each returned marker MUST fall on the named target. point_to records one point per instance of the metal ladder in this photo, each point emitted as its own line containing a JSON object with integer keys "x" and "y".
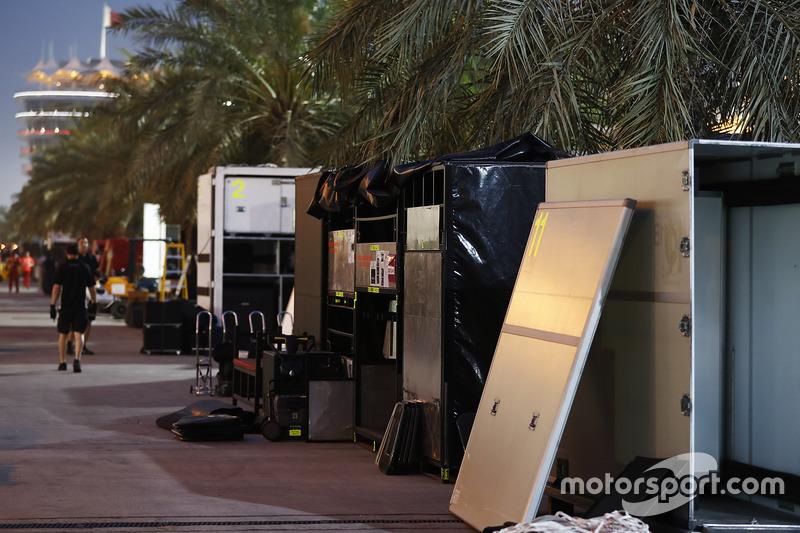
{"x": 173, "y": 279}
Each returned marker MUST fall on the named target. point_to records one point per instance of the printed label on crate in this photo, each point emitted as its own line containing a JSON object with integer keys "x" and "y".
{"x": 390, "y": 270}
{"x": 381, "y": 269}
{"x": 376, "y": 266}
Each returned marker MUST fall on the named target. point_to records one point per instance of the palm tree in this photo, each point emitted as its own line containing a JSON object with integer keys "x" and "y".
{"x": 72, "y": 190}
{"x": 409, "y": 70}
{"x": 221, "y": 89}
{"x": 587, "y": 75}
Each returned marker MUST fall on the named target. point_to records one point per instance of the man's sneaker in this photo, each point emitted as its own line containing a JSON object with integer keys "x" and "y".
{"x": 76, "y": 366}
{"x": 62, "y": 366}
{"x": 87, "y": 351}
{"x": 70, "y": 348}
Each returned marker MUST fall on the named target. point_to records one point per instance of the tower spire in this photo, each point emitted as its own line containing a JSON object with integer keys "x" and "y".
{"x": 106, "y": 25}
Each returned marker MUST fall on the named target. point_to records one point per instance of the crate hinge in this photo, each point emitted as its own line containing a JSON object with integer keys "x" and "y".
{"x": 685, "y": 247}
{"x": 686, "y": 405}
{"x": 685, "y": 326}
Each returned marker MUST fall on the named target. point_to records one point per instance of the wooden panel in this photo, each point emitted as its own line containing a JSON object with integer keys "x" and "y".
{"x": 554, "y": 309}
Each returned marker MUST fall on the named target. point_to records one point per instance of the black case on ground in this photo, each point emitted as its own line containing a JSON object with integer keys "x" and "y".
{"x": 162, "y": 338}
{"x": 209, "y": 427}
{"x": 168, "y": 312}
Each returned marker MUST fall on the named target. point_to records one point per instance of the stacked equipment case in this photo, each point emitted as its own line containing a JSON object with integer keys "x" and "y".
{"x": 163, "y": 327}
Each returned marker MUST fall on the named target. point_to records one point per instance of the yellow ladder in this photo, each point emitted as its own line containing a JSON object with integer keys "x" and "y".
{"x": 173, "y": 279}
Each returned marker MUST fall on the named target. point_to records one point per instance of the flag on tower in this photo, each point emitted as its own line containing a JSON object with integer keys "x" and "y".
{"x": 111, "y": 19}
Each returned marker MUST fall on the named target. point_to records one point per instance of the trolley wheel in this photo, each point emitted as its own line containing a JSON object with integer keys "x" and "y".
{"x": 271, "y": 430}
{"x": 117, "y": 309}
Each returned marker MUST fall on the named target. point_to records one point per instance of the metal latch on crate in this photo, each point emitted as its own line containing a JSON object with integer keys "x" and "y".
{"x": 534, "y": 420}
{"x": 686, "y": 180}
{"x": 493, "y": 412}
{"x": 685, "y": 326}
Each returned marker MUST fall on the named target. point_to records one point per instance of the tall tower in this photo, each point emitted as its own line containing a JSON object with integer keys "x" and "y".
{"x": 61, "y": 94}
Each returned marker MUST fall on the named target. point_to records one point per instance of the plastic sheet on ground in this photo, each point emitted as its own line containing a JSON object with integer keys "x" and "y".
{"x": 613, "y": 522}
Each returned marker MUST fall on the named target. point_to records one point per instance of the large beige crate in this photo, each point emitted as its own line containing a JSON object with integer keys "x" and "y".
{"x": 644, "y": 368}
{"x": 695, "y": 351}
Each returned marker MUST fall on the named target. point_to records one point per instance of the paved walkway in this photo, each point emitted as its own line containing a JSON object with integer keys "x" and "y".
{"x": 83, "y": 451}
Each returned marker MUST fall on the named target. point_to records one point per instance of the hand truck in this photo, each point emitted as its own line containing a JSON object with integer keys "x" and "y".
{"x": 235, "y": 330}
{"x": 203, "y": 380}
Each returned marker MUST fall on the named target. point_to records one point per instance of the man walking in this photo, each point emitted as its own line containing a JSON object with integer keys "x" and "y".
{"x": 90, "y": 260}
{"x": 70, "y": 284}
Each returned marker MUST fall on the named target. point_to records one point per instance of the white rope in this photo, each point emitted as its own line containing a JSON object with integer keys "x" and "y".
{"x": 614, "y": 522}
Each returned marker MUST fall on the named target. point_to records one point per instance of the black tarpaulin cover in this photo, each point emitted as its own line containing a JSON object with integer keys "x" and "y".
{"x": 488, "y": 213}
{"x": 379, "y": 186}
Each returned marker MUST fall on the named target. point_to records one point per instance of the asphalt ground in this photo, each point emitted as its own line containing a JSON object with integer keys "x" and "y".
{"x": 83, "y": 451}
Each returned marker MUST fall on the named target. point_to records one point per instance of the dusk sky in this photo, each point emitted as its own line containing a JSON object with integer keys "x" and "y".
{"x": 27, "y": 28}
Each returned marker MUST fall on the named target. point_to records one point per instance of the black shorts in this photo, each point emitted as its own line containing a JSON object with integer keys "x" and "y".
{"x": 73, "y": 320}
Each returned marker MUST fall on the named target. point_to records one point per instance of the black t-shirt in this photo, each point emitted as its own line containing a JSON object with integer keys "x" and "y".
{"x": 74, "y": 277}
{"x": 90, "y": 261}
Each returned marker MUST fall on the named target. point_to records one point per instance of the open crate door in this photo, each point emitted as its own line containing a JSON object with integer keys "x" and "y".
{"x": 562, "y": 284}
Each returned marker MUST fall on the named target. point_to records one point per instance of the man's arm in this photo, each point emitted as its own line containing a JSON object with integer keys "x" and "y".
{"x": 53, "y": 298}
{"x": 55, "y": 293}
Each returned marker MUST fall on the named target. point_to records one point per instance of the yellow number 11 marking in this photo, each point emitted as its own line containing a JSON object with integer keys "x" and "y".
{"x": 541, "y": 220}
